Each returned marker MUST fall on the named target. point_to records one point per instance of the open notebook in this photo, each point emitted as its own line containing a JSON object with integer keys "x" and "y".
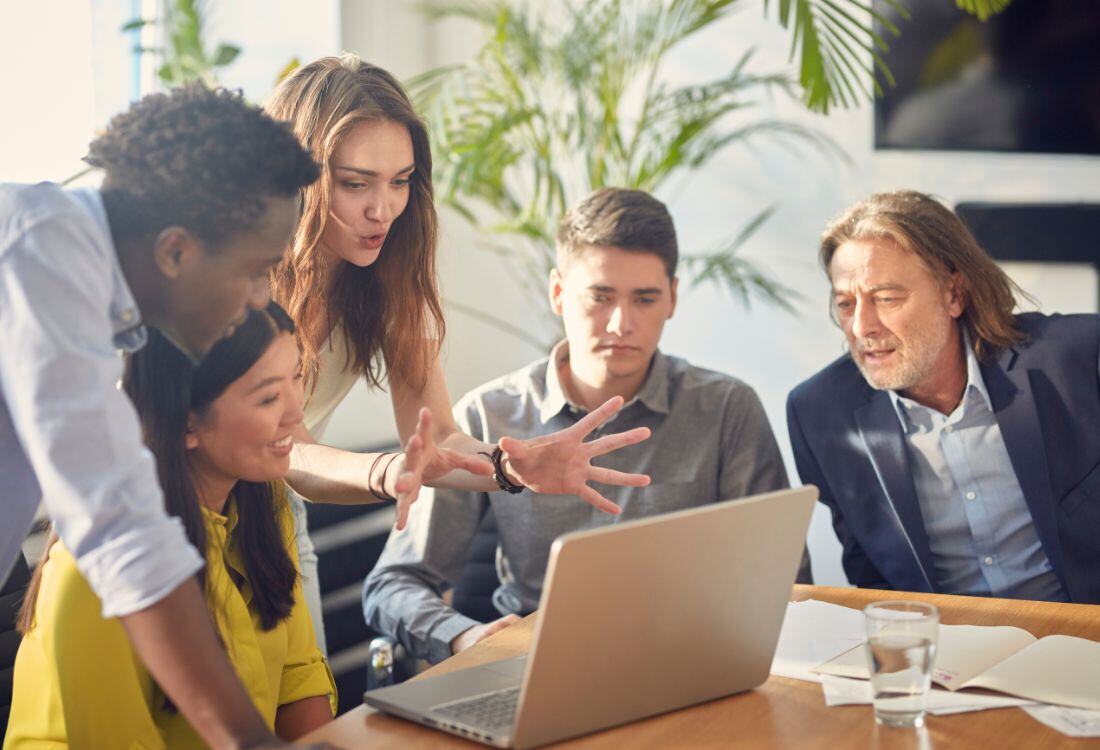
{"x": 1057, "y": 669}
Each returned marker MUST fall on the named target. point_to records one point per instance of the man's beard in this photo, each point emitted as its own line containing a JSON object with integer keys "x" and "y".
{"x": 914, "y": 360}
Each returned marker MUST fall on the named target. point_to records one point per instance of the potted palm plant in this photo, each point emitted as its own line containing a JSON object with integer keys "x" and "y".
{"x": 567, "y": 97}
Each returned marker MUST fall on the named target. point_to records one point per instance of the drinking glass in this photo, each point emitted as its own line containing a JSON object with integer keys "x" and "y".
{"x": 901, "y": 651}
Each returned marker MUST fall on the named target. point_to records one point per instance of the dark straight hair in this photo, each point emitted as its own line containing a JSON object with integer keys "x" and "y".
{"x": 166, "y": 390}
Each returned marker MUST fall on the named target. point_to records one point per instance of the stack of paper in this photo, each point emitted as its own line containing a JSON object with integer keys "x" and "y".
{"x": 814, "y": 632}
{"x": 823, "y": 642}
{"x": 1058, "y": 669}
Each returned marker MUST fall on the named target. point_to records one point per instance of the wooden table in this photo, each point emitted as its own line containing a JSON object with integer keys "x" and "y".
{"x": 781, "y": 713}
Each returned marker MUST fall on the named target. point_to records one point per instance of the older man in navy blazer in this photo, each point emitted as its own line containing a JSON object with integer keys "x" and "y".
{"x": 957, "y": 444}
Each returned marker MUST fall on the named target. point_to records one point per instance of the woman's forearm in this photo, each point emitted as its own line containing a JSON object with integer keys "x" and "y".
{"x": 330, "y": 475}
{"x": 293, "y": 720}
{"x": 458, "y": 441}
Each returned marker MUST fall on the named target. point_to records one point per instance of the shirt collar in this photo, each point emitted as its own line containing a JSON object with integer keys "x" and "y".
{"x": 975, "y": 386}
{"x": 653, "y": 393}
{"x": 226, "y": 520}
{"x": 126, "y": 326}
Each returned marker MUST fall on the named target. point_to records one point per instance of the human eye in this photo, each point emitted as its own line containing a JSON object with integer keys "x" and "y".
{"x": 353, "y": 184}
{"x": 647, "y": 300}
{"x": 843, "y": 304}
{"x": 270, "y": 399}
{"x": 402, "y": 182}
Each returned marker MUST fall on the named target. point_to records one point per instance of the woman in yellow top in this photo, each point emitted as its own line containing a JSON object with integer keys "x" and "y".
{"x": 221, "y": 439}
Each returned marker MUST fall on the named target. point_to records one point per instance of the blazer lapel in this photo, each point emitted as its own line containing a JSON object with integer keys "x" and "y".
{"x": 1013, "y": 402}
{"x": 880, "y": 430}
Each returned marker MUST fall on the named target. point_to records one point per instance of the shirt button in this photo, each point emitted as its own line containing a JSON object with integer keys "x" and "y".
{"x": 127, "y": 316}
{"x": 971, "y": 495}
{"x": 988, "y": 560}
{"x": 948, "y": 428}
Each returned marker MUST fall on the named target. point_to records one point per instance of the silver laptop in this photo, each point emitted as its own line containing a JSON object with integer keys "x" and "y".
{"x": 636, "y": 619}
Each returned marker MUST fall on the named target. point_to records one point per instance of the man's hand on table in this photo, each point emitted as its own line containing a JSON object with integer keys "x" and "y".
{"x": 478, "y": 633}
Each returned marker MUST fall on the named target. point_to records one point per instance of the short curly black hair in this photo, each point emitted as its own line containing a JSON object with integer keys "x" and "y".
{"x": 196, "y": 157}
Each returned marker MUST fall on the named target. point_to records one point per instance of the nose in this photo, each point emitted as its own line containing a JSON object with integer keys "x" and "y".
{"x": 295, "y": 406}
{"x": 621, "y": 321}
{"x": 260, "y": 294}
{"x": 381, "y": 206}
{"x": 865, "y": 320}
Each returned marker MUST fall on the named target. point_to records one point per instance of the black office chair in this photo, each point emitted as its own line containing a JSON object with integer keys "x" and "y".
{"x": 11, "y": 597}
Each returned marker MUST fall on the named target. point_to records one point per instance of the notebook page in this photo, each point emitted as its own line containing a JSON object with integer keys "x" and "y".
{"x": 962, "y": 652}
{"x": 1057, "y": 669}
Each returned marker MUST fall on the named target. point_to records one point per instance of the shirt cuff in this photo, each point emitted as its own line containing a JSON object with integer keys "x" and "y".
{"x": 140, "y": 567}
{"x": 439, "y": 646}
{"x": 308, "y": 681}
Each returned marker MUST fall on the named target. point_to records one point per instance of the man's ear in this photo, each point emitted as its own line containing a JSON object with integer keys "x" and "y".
{"x": 174, "y": 249}
{"x": 555, "y": 290}
{"x": 190, "y": 437}
{"x": 672, "y": 296}
{"x": 956, "y": 297}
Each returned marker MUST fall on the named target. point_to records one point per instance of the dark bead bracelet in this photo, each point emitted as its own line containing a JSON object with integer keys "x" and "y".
{"x": 498, "y": 472}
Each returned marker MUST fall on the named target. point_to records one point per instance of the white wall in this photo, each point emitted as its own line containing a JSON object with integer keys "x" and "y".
{"x": 771, "y": 350}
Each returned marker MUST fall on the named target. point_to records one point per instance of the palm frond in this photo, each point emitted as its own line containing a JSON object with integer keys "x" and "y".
{"x": 983, "y": 9}
{"x": 829, "y": 38}
{"x": 556, "y": 104}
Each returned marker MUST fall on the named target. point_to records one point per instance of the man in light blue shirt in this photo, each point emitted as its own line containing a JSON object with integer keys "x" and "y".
{"x": 986, "y": 544}
{"x": 956, "y": 442}
{"x": 198, "y": 202}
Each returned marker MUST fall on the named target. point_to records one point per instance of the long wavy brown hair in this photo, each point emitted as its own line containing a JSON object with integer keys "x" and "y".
{"x": 390, "y": 312}
{"x": 922, "y": 225}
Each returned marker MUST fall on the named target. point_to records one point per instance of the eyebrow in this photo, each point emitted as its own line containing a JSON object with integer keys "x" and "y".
{"x": 372, "y": 173}
{"x": 264, "y": 383}
{"x": 876, "y": 288}
{"x": 651, "y": 290}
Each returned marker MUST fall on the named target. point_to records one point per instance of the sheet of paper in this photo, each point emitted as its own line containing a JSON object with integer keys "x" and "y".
{"x": 844, "y": 691}
{"x": 962, "y": 651}
{"x": 965, "y": 651}
{"x": 1058, "y": 669}
{"x": 1073, "y": 722}
{"x": 814, "y": 632}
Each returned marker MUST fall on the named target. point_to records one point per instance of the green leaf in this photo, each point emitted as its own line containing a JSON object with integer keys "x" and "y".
{"x": 137, "y": 23}
{"x": 225, "y": 54}
{"x": 983, "y": 9}
{"x": 285, "y": 72}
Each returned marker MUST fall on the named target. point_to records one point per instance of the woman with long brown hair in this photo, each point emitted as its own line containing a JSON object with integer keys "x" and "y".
{"x": 360, "y": 281}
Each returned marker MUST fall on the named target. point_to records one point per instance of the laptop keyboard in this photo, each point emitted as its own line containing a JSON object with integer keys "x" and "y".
{"x": 491, "y": 710}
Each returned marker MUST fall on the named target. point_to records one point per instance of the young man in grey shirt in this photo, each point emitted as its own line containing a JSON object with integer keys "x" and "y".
{"x": 614, "y": 287}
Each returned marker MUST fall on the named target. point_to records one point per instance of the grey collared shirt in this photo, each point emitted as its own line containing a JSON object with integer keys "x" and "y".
{"x": 980, "y": 531}
{"x": 710, "y": 441}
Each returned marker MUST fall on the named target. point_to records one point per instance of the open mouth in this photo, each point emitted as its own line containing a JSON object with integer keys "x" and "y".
{"x": 373, "y": 241}
{"x": 283, "y": 442}
{"x": 876, "y": 355}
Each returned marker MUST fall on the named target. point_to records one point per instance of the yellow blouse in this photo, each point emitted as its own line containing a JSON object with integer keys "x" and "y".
{"x": 78, "y": 682}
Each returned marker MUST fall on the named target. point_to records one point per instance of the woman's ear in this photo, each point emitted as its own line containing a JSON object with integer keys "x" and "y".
{"x": 191, "y": 437}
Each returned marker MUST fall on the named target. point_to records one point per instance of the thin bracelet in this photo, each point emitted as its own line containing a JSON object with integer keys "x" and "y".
{"x": 386, "y": 471}
{"x": 370, "y": 478}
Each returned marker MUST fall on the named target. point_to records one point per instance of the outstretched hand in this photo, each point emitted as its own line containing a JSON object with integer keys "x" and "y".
{"x": 560, "y": 463}
{"x": 424, "y": 461}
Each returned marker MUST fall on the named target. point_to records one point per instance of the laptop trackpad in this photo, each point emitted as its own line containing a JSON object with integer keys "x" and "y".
{"x": 513, "y": 667}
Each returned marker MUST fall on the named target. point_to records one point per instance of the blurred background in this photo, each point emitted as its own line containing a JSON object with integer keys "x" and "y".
{"x": 712, "y": 105}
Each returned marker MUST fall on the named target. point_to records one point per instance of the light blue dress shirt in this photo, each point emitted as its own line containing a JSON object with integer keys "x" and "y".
{"x": 980, "y": 531}
{"x": 68, "y": 436}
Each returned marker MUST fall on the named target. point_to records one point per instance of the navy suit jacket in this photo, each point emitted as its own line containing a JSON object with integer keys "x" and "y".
{"x": 1045, "y": 393}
